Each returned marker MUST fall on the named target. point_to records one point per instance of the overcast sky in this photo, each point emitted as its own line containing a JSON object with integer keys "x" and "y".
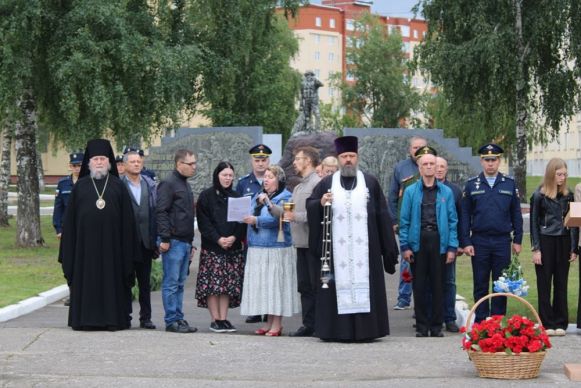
{"x": 390, "y": 7}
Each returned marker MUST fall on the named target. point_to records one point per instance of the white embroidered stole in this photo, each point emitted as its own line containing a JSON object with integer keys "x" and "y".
{"x": 350, "y": 246}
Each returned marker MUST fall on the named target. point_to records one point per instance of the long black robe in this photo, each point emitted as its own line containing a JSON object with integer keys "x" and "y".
{"x": 329, "y": 325}
{"x": 98, "y": 248}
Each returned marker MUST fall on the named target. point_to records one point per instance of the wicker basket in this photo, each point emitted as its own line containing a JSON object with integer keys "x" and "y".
{"x": 501, "y": 365}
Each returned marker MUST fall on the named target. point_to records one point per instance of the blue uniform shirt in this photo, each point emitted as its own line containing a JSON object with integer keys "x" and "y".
{"x": 61, "y": 199}
{"x": 248, "y": 185}
{"x": 491, "y": 211}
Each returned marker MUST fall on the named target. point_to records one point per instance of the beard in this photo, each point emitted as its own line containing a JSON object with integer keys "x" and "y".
{"x": 99, "y": 173}
{"x": 348, "y": 170}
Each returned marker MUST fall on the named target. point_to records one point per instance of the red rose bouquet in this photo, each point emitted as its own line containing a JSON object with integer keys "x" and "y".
{"x": 509, "y": 335}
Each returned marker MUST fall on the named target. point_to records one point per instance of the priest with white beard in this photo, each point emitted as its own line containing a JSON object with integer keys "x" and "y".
{"x": 354, "y": 306}
{"x": 99, "y": 244}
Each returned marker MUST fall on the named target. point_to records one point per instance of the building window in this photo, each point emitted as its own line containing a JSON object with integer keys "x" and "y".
{"x": 317, "y": 38}
{"x": 317, "y": 73}
{"x": 405, "y": 31}
{"x": 331, "y": 92}
{"x": 318, "y": 22}
{"x": 317, "y": 55}
{"x": 415, "y": 34}
{"x": 332, "y": 23}
{"x": 331, "y": 57}
{"x": 406, "y": 47}
{"x": 332, "y": 40}
{"x": 349, "y": 76}
{"x": 350, "y": 24}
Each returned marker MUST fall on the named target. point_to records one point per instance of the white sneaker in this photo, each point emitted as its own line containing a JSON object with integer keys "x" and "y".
{"x": 550, "y": 332}
{"x": 560, "y": 332}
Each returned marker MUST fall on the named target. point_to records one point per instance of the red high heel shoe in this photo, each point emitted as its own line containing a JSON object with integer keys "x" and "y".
{"x": 261, "y": 331}
{"x": 271, "y": 333}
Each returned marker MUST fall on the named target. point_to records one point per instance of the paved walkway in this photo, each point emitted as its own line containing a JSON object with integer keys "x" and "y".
{"x": 39, "y": 350}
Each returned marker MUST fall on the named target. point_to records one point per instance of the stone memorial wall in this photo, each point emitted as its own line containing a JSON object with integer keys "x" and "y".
{"x": 211, "y": 145}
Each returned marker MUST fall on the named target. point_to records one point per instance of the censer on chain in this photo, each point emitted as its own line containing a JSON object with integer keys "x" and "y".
{"x": 326, "y": 250}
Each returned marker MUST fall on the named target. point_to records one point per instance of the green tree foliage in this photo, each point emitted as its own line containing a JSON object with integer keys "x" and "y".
{"x": 82, "y": 69}
{"x": 381, "y": 94}
{"x": 510, "y": 62}
{"x": 333, "y": 120}
{"x": 468, "y": 124}
{"x": 247, "y": 78}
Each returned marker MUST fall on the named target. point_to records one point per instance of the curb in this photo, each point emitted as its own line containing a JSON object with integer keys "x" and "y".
{"x": 29, "y": 305}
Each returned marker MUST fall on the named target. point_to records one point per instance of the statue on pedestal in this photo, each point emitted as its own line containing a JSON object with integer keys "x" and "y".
{"x": 309, "y": 106}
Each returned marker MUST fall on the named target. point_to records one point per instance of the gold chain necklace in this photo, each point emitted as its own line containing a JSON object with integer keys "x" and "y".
{"x": 100, "y": 202}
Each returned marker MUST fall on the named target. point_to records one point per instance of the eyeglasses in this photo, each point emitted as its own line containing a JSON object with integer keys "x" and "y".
{"x": 192, "y": 164}
{"x": 561, "y": 174}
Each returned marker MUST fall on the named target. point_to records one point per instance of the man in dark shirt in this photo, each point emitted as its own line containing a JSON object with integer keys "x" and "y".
{"x": 450, "y": 273}
{"x": 428, "y": 240}
{"x": 175, "y": 227}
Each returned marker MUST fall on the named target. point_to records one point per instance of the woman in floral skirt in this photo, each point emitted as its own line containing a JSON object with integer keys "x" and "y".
{"x": 221, "y": 269}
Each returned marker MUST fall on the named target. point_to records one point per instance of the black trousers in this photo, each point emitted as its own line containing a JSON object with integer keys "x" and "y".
{"x": 143, "y": 275}
{"x": 428, "y": 271}
{"x": 308, "y": 273}
{"x": 555, "y": 254}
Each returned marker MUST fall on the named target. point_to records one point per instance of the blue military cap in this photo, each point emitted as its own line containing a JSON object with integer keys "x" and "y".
{"x": 260, "y": 151}
{"x": 490, "y": 150}
{"x": 132, "y": 149}
{"x": 76, "y": 158}
{"x": 118, "y": 158}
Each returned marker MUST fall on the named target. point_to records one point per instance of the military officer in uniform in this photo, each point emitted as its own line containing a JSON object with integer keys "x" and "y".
{"x": 120, "y": 165}
{"x": 63, "y": 191}
{"x": 251, "y": 184}
{"x": 491, "y": 223}
{"x": 62, "y": 194}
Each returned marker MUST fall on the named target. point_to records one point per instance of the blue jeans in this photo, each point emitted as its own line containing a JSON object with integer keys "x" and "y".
{"x": 176, "y": 262}
{"x": 404, "y": 296}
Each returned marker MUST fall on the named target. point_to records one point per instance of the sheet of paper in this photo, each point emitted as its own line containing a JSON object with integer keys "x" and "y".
{"x": 238, "y": 208}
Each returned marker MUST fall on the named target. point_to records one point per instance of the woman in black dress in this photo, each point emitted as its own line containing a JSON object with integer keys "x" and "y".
{"x": 221, "y": 269}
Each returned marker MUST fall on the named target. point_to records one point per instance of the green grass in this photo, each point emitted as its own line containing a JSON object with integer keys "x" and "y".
{"x": 464, "y": 285}
{"x": 25, "y": 272}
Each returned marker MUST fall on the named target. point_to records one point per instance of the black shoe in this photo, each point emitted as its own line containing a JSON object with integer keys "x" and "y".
{"x": 188, "y": 329}
{"x": 217, "y": 327}
{"x": 147, "y": 325}
{"x": 421, "y": 334}
{"x": 303, "y": 332}
{"x": 452, "y": 327}
{"x": 436, "y": 333}
{"x": 179, "y": 327}
{"x": 254, "y": 319}
{"x": 228, "y": 326}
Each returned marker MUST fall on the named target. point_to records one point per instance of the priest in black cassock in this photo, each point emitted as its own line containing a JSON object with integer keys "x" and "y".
{"x": 98, "y": 244}
{"x": 354, "y": 306}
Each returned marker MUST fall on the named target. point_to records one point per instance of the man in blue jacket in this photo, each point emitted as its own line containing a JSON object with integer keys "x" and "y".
{"x": 405, "y": 173}
{"x": 428, "y": 240}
